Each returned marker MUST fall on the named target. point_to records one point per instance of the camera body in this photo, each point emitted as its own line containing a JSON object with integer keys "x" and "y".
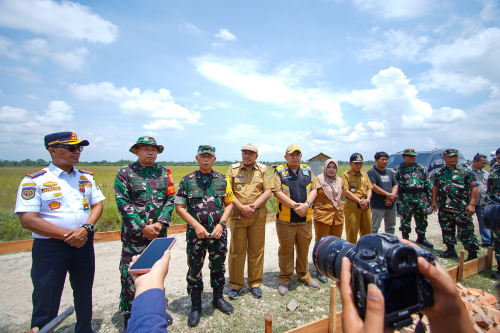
{"x": 383, "y": 260}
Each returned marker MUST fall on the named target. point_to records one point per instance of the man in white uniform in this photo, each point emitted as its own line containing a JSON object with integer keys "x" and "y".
{"x": 60, "y": 205}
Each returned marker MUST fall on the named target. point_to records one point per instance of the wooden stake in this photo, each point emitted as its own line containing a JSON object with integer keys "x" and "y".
{"x": 460, "y": 274}
{"x": 269, "y": 323}
{"x": 332, "y": 322}
{"x": 489, "y": 258}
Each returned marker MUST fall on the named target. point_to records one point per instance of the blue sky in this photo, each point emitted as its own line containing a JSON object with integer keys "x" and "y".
{"x": 336, "y": 76}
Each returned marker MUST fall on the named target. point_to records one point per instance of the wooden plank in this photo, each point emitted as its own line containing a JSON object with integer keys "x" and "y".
{"x": 453, "y": 273}
{"x": 106, "y": 236}
{"x": 332, "y": 325}
{"x": 474, "y": 266}
{"x": 489, "y": 258}
{"x": 460, "y": 273}
{"x": 177, "y": 229}
{"x": 269, "y": 323}
{"x": 320, "y": 325}
{"x": 16, "y": 246}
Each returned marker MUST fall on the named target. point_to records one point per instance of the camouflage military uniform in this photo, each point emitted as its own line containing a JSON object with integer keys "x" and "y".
{"x": 494, "y": 188}
{"x": 414, "y": 193}
{"x": 142, "y": 193}
{"x": 454, "y": 190}
{"x": 204, "y": 197}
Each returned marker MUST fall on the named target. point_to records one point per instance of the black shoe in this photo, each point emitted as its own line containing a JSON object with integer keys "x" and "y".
{"x": 322, "y": 278}
{"x": 256, "y": 292}
{"x": 170, "y": 320}
{"x": 471, "y": 256}
{"x": 423, "y": 241}
{"x": 496, "y": 276}
{"x": 405, "y": 235}
{"x": 234, "y": 294}
{"x": 195, "y": 313}
{"x": 449, "y": 253}
{"x": 220, "y": 303}
{"x": 485, "y": 245}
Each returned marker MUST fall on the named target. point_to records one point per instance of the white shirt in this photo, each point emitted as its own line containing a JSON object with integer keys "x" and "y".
{"x": 58, "y": 197}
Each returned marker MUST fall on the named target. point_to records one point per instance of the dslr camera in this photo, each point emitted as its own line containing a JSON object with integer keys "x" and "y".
{"x": 491, "y": 213}
{"x": 383, "y": 260}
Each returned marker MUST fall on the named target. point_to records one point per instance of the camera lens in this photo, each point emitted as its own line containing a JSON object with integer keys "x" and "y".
{"x": 328, "y": 253}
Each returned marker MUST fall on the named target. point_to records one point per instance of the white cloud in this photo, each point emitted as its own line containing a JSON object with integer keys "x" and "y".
{"x": 467, "y": 65}
{"x": 22, "y": 73}
{"x": 398, "y": 44}
{"x": 281, "y": 88}
{"x": 31, "y": 125}
{"x": 6, "y": 48}
{"x": 148, "y": 104}
{"x": 64, "y": 19}
{"x": 190, "y": 28}
{"x": 394, "y": 96}
{"x": 39, "y": 48}
{"x": 225, "y": 35}
{"x": 395, "y": 9}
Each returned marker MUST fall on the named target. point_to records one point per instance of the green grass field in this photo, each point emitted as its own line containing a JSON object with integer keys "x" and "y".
{"x": 10, "y": 178}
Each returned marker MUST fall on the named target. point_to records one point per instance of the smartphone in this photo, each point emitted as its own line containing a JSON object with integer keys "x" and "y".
{"x": 151, "y": 254}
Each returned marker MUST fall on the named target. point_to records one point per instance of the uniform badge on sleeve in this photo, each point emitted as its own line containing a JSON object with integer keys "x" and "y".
{"x": 28, "y": 193}
{"x": 54, "y": 205}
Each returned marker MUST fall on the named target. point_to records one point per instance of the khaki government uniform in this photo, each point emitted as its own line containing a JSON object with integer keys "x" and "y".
{"x": 356, "y": 220}
{"x": 247, "y": 234}
{"x": 294, "y": 234}
{"x": 328, "y": 220}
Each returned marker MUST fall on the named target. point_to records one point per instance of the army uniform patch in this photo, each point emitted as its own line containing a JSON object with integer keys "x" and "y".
{"x": 28, "y": 193}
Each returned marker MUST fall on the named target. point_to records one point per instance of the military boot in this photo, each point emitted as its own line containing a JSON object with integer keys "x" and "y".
{"x": 496, "y": 276}
{"x": 423, "y": 241}
{"x": 195, "y": 313}
{"x": 450, "y": 252}
{"x": 405, "y": 235}
{"x": 220, "y": 303}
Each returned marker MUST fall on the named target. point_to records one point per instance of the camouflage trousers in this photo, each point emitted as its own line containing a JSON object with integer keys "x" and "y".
{"x": 416, "y": 208}
{"x": 196, "y": 250}
{"x": 464, "y": 228}
{"x": 127, "y": 293}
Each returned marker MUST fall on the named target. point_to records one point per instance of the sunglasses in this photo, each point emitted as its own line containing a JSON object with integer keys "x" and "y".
{"x": 70, "y": 148}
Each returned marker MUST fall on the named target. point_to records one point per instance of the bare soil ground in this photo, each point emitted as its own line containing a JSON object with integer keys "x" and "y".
{"x": 16, "y": 289}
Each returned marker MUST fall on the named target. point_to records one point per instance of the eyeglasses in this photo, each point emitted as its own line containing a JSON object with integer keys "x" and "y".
{"x": 70, "y": 148}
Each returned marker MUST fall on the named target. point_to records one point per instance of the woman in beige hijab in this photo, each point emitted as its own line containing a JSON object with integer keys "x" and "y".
{"x": 328, "y": 209}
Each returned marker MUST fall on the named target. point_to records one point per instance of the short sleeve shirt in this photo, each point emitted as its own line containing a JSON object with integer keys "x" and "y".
{"x": 357, "y": 183}
{"x": 386, "y": 180}
{"x": 58, "y": 197}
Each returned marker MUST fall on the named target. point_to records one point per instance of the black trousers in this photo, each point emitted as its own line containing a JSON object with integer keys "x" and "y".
{"x": 52, "y": 258}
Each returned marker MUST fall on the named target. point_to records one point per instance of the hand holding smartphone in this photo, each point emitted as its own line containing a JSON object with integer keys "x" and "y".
{"x": 151, "y": 254}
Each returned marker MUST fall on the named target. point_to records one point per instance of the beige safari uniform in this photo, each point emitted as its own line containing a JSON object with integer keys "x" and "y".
{"x": 356, "y": 220}
{"x": 247, "y": 234}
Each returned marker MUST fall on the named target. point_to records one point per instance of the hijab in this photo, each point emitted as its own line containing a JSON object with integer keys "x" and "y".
{"x": 332, "y": 186}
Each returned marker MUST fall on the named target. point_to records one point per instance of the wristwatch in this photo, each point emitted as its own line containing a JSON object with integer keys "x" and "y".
{"x": 222, "y": 223}
{"x": 89, "y": 227}
{"x": 310, "y": 205}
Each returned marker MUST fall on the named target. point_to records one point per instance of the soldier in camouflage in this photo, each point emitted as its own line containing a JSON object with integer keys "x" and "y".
{"x": 204, "y": 200}
{"x": 455, "y": 193}
{"x": 145, "y": 197}
{"x": 493, "y": 185}
{"x": 415, "y": 191}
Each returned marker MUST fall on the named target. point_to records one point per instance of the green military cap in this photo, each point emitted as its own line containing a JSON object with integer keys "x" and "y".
{"x": 450, "y": 152}
{"x": 356, "y": 157}
{"x": 410, "y": 152}
{"x": 206, "y": 149}
{"x": 146, "y": 141}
